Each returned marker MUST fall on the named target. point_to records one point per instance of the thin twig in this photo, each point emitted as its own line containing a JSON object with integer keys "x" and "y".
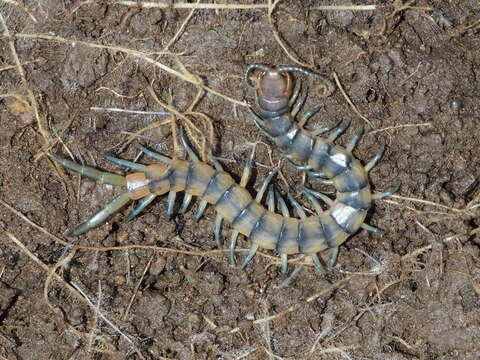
{"x": 352, "y": 105}
{"x": 344, "y": 7}
{"x": 127, "y": 111}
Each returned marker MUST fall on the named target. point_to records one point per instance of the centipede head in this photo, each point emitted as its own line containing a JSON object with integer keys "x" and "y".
{"x": 274, "y": 85}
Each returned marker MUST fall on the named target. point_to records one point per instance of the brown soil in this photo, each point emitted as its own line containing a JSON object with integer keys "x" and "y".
{"x": 412, "y": 294}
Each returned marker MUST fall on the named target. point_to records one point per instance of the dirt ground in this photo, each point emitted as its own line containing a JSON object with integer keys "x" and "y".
{"x": 158, "y": 289}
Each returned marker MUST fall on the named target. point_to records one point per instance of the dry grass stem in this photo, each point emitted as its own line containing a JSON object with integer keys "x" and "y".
{"x": 42, "y": 126}
{"x": 107, "y": 321}
{"x": 74, "y": 290}
{"x": 188, "y": 77}
{"x": 352, "y": 105}
{"x": 8, "y": 67}
{"x": 127, "y": 111}
{"x": 344, "y": 7}
{"x": 135, "y": 291}
{"x": 182, "y": 5}
{"x": 398, "y": 127}
{"x": 278, "y": 38}
{"x": 20, "y": 6}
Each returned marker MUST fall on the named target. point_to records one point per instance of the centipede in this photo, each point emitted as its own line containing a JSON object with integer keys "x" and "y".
{"x": 278, "y": 100}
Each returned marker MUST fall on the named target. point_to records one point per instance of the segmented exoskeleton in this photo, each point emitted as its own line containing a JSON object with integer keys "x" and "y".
{"x": 278, "y": 102}
{"x": 263, "y": 227}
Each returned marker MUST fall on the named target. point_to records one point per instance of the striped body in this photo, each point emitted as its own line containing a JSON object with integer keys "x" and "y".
{"x": 264, "y": 228}
{"x": 275, "y": 98}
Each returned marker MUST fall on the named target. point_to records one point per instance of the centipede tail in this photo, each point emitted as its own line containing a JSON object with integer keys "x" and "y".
{"x": 278, "y": 100}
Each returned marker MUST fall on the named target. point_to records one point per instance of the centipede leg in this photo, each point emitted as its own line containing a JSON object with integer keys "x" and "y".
{"x": 282, "y": 204}
{"x": 258, "y": 198}
{"x": 387, "y": 193}
{"x": 218, "y": 231}
{"x": 254, "y": 247}
{"x": 300, "y": 102}
{"x": 317, "y": 177}
{"x": 300, "y": 167}
{"x": 308, "y": 114}
{"x": 319, "y": 195}
{"x": 100, "y": 216}
{"x": 259, "y": 122}
{"x": 341, "y": 129}
{"x": 375, "y": 159}
{"x": 317, "y": 263}
{"x": 187, "y": 199}
{"x": 283, "y": 263}
{"x": 296, "y": 92}
{"x": 247, "y": 171}
{"x": 154, "y": 155}
{"x": 201, "y": 209}
{"x": 355, "y": 139}
{"x": 325, "y": 129}
{"x": 187, "y": 147}
{"x": 170, "y": 204}
{"x": 313, "y": 201}
{"x": 125, "y": 163}
{"x": 251, "y": 253}
{"x": 90, "y": 172}
{"x": 142, "y": 204}
{"x": 298, "y": 209}
{"x": 332, "y": 259}
{"x": 372, "y": 229}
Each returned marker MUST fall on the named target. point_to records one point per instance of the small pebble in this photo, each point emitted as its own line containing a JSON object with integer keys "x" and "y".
{"x": 456, "y": 104}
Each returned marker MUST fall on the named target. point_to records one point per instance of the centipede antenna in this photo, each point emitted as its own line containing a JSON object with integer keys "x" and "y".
{"x": 201, "y": 209}
{"x": 170, "y": 204}
{"x": 298, "y": 105}
{"x": 319, "y": 195}
{"x": 187, "y": 199}
{"x": 251, "y": 68}
{"x": 296, "y": 92}
{"x": 251, "y": 253}
{"x": 283, "y": 263}
{"x": 373, "y": 229}
{"x": 332, "y": 259}
{"x": 140, "y": 205}
{"x": 313, "y": 201}
{"x": 387, "y": 193}
{"x": 341, "y": 129}
{"x": 282, "y": 204}
{"x": 271, "y": 199}
{"x": 218, "y": 231}
{"x": 317, "y": 263}
{"x": 187, "y": 147}
{"x": 154, "y": 155}
{"x": 325, "y": 129}
{"x": 128, "y": 164}
{"x": 298, "y": 209}
{"x": 290, "y": 68}
{"x": 247, "y": 170}
{"x": 100, "y": 216}
{"x": 264, "y": 186}
{"x": 375, "y": 160}
{"x": 308, "y": 114}
{"x": 90, "y": 172}
{"x": 355, "y": 139}
{"x": 231, "y": 247}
